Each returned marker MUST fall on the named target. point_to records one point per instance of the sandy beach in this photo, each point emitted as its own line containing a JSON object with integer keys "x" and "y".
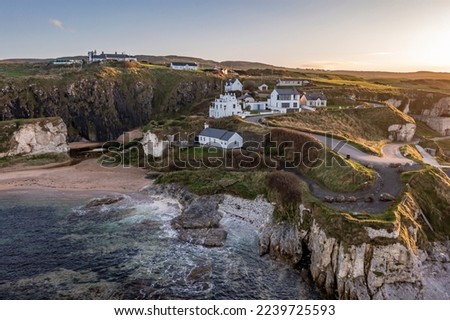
{"x": 86, "y": 175}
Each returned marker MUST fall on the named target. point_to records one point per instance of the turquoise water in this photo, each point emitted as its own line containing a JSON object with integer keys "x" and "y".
{"x": 51, "y": 248}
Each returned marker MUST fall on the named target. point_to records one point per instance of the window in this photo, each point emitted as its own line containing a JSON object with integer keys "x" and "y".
{"x": 285, "y": 105}
{"x": 295, "y": 104}
{"x": 284, "y": 97}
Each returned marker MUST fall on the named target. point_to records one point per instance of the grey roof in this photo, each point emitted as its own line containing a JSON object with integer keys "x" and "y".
{"x": 286, "y": 91}
{"x": 182, "y": 64}
{"x": 292, "y": 80}
{"x": 315, "y": 96}
{"x": 231, "y": 81}
{"x": 217, "y": 133}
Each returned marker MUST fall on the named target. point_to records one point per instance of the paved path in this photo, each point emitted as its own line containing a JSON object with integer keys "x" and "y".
{"x": 391, "y": 152}
{"x": 387, "y": 181}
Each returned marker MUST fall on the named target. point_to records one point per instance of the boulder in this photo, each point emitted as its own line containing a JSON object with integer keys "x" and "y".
{"x": 201, "y": 213}
{"x": 402, "y": 132}
{"x": 328, "y": 199}
{"x": 104, "y": 201}
{"x": 340, "y": 199}
{"x": 369, "y": 198}
{"x": 200, "y": 274}
{"x": 205, "y": 237}
{"x": 386, "y": 197}
{"x": 351, "y": 199}
{"x": 199, "y": 223}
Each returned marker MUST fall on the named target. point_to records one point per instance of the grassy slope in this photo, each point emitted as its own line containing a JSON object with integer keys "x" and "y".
{"x": 366, "y": 127}
{"x": 423, "y": 131}
{"x": 431, "y": 189}
{"x": 410, "y": 152}
{"x": 441, "y": 147}
{"x": 214, "y": 181}
{"x": 34, "y": 160}
{"x": 340, "y": 175}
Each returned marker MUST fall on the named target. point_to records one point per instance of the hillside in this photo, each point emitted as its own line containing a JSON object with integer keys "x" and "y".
{"x": 366, "y": 127}
{"x": 99, "y": 102}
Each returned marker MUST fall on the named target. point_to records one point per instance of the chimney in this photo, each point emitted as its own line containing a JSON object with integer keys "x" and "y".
{"x": 206, "y": 126}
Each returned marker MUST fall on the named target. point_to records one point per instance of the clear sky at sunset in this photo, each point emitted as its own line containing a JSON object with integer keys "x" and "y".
{"x": 397, "y": 35}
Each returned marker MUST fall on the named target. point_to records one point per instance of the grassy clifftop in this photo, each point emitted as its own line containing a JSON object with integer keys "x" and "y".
{"x": 99, "y": 102}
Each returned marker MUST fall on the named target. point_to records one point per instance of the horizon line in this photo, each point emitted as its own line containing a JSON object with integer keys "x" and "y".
{"x": 245, "y": 61}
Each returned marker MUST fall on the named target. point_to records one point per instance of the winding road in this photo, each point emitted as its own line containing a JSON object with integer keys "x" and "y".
{"x": 388, "y": 168}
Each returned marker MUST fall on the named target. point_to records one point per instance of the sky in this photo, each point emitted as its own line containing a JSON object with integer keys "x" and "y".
{"x": 389, "y": 35}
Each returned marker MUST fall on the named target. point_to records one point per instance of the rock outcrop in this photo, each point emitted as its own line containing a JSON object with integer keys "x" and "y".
{"x": 439, "y": 109}
{"x": 402, "y": 132}
{"x": 439, "y": 124}
{"x": 153, "y": 145}
{"x": 33, "y": 137}
{"x": 372, "y": 263}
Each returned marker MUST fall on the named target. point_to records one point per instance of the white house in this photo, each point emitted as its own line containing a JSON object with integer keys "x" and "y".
{"x": 317, "y": 99}
{"x": 66, "y": 62}
{"x": 233, "y": 85}
{"x": 284, "y": 100}
{"x": 184, "y": 66}
{"x": 220, "y": 138}
{"x": 225, "y": 106}
{"x": 257, "y": 105}
{"x": 292, "y": 82}
{"x": 264, "y": 87}
{"x": 94, "y": 57}
{"x": 246, "y": 98}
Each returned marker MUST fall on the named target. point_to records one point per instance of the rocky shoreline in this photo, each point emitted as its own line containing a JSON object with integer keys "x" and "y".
{"x": 381, "y": 269}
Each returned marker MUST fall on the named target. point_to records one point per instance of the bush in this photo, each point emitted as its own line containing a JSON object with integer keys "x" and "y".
{"x": 294, "y": 146}
{"x": 285, "y": 190}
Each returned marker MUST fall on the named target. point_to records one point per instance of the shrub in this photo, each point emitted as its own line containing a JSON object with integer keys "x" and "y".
{"x": 285, "y": 190}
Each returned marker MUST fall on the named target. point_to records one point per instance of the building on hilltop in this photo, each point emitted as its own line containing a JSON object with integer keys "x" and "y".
{"x": 313, "y": 99}
{"x": 94, "y": 57}
{"x": 285, "y": 100}
{"x": 190, "y": 66}
{"x": 233, "y": 85}
{"x": 225, "y": 106}
{"x": 293, "y": 82}
{"x": 220, "y": 138}
{"x": 66, "y": 62}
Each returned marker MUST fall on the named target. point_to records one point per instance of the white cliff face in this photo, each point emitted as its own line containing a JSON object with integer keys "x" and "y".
{"x": 364, "y": 271}
{"x": 439, "y": 109}
{"x": 388, "y": 265}
{"x": 43, "y": 136}
{"x": 402, "y": 132}
{"x": 153, "y": 145}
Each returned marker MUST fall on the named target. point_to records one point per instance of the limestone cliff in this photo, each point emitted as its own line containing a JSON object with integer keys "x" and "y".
{"x": 33, "y": 137}
{"x": 402, "y": 132}
{"x": 350, "y": 259}
{"x": 99, "y": 103}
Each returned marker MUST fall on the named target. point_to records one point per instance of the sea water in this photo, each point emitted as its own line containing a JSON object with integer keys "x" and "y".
{"x": 52, "y": 247}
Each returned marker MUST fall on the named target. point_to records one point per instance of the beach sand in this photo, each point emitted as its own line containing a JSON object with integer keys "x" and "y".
{"x": 86, "y": 175}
